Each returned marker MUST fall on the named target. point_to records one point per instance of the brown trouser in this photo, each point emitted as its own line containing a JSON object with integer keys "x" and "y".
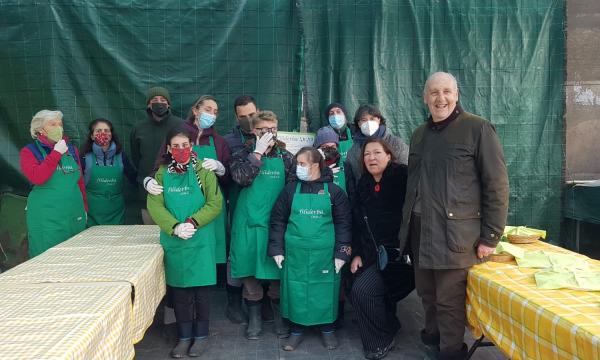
{"x": 443, "y": 294}
{"x": 253, "y": 289}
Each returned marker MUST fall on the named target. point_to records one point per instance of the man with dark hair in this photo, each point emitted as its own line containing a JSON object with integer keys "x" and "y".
{"x": 455, "y": 209}
{"x": 146, "y": 138}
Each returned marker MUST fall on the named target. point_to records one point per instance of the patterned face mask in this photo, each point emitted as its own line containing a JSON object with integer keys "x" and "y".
{"x": 102, "y": 139}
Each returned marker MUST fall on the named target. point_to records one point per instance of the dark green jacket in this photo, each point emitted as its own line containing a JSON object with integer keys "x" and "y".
{"x": 146, "y": 139}
{"x": 463, "y": 191}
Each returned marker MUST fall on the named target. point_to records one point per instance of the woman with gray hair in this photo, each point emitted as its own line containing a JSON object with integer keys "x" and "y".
{"x": 57, "y": 203}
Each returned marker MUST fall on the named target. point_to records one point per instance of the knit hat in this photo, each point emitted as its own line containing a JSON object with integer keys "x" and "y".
{"x": 158, "y": 91}
{"x": 336, "y": 105}
{"x": 326, "y": 135}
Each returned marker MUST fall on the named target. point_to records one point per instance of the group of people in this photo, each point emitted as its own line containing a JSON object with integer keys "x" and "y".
{"x": 358, "y": 215}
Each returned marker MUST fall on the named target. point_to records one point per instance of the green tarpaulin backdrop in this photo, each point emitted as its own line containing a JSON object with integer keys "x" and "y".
{"x": 97, "y": 59}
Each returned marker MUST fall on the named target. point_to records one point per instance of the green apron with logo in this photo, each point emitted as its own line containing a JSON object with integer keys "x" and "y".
{"x": 310, "y": 287}
{"x": 55, "y": 209}
{"x": 104, "y": 192}
{"x": 250, "y": 229}
{"x": 187, "y": 262}
{"x": 210, "y": 152}
{"x": 340, "y": 178}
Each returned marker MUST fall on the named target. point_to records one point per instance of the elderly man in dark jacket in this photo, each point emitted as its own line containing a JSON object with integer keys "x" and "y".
{"x": 455, "y": 209}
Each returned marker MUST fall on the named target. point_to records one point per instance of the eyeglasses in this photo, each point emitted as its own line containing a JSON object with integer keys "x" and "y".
{"x": 267, "y": 129}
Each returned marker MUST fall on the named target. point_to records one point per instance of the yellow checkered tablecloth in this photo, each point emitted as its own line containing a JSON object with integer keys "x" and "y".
{"x": 140, "y": 266}
{"x": 115, "y": 235}
{"x": 525, "y": 322}
{"x": 65, "y": 321}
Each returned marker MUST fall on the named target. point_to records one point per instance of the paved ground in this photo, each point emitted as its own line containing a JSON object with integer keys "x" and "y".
{"x": 227, "y": 340}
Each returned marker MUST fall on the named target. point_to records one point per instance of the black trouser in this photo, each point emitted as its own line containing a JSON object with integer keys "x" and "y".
{"x": 299, "y": 329}
{"x": 375, "y": 310}
{"x": 192, "y": 307}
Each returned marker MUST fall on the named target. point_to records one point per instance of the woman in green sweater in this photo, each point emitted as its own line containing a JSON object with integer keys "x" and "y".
{"x": 184, "y": 211}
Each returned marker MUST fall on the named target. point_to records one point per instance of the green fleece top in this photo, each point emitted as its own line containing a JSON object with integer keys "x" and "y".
{"x": 206, "y": 214}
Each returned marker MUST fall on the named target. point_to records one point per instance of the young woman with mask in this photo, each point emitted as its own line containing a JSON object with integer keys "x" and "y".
{"x": 185, "y": 211}
{"x": 337, "y": 117}
{"x": 104, "y": 163}
{"x": 212, "y": 150}
{"x": 57, "y": 204}
{"x": 327, "y": 141}
{"x": 379, "y": 198}
{"x": 371, "y": 123}
{"x": 311, "y": 219}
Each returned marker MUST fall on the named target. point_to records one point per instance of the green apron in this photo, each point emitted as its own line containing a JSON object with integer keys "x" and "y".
{"x": 187, "y": 262}
{"x": 105, "y": 193}
{"x": 250, "y": 229}
{"x": 340, "y": 178}
{"x": 209, "y": 151}
{"x": 55, "y": 209}
{"x": 310, "y": 288}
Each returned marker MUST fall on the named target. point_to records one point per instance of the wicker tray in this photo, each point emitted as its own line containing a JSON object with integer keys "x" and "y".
{"x": 502, "y": 258}
{"x": 522, "y": 239}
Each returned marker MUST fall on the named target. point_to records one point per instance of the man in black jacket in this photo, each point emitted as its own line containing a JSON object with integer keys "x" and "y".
{"x": 455, "y": 209}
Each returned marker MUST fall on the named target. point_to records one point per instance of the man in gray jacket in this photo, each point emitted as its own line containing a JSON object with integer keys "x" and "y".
{"x": 455, "y": 209}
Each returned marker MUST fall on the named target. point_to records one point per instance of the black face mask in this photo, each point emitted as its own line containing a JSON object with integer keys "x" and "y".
{"x": 159, "y": 109}
{"x": 245, "y": 124}
{"x": 332, "y": 155}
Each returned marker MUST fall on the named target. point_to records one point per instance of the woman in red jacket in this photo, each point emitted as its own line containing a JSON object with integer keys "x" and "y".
{"x": 57, "y": 204}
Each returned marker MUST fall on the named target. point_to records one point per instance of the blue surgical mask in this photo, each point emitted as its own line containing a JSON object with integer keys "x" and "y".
{"x": 337, "y": 121}
{"x": 302, "y": 173}
{"x": 206, "y": 120}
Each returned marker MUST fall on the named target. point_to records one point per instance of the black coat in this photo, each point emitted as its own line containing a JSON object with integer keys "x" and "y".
{"x": 341, "y": 213}
{"x": 383, "y": 210}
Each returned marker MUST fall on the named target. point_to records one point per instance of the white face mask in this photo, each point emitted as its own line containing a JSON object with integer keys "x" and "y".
{"x": 368, "y": 128}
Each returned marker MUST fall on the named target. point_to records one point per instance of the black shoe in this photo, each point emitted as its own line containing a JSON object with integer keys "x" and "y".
{"x": 455, "y": 355}
{"x": 267, "y": 311}
{"x": 199, "y": 346}
{"x": 181, "y": 349}
{"x": 233, "y": 310}
{"x": 380, "y": 353}
{"x": 329, "y": 340}
{"x": 254, "y": 321}
{"x": 293, "y": 341}
{"x": 281, "y": 325}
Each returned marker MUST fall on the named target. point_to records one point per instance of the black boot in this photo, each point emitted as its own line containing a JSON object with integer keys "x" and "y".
{"x": 455, "y": 355}
{"x": 233, "y": 310}
{"x": 254, "y": 321}
{"x": 267, "y": 311}
{"x": 281, "y": 325}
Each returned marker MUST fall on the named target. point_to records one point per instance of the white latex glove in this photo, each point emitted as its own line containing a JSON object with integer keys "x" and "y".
{"x": 61, "y": 147}
{"x": 152, "y": 186}
{"x": 263, "y": 143}
{"x": 184, "y": 230}
{"x": 214, "y": 165}
{"x": 335, "y": 168}
{"x": 278, "y": 260}
{"x": 338, "y": 264}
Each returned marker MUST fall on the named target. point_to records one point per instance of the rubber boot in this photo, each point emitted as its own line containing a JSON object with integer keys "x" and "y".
{"x": 233, "y": 310}
{"x": 254, "y": 320}
{"x": 281, "y": 325}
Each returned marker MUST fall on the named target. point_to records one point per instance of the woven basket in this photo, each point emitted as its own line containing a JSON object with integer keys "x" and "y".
{"x": 502, "y": 258}
{"x": 522, "y": 239}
